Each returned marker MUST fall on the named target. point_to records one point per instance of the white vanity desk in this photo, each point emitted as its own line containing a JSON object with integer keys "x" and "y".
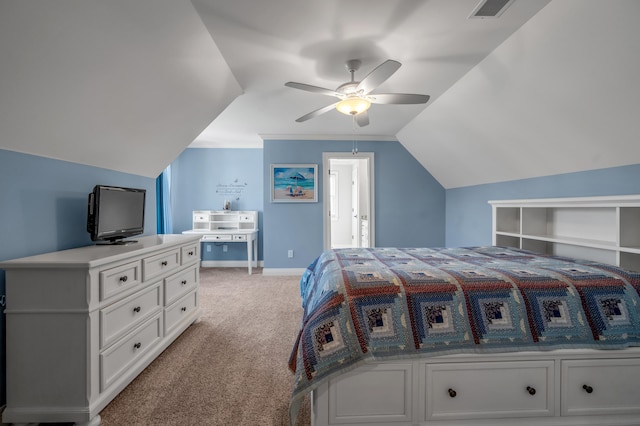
{"x": 228, "y": 226}
{"x": 248, "y": 236}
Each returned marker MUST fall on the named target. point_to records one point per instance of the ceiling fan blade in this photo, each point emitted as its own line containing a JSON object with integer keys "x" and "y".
{"x": 316, "y": 113}
{"x": 378, "y": 76}
{"x": 398, "y": 98}
{"x": 363, "y": 119}
{"x": 310, "y": 88}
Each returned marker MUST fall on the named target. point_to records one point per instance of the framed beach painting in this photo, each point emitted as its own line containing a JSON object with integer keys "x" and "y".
{"x": 294, "y": 183}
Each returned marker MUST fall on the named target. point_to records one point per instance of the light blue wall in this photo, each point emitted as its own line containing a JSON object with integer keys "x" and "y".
{"x": 409, "y": 202}
{"x": 203, "y": 178}
{"x": 43, "y": 208}
{"x": 469, "y": 214}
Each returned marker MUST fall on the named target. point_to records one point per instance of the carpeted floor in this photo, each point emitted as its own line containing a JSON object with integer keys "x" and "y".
{"x": 230, "y": 367}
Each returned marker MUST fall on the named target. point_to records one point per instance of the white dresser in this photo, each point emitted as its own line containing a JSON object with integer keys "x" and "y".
{"x": 83, "y": 323}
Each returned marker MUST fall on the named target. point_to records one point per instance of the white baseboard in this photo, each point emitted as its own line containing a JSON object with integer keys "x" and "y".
{"x": 227, "y": 264}
{"x": 283, "y": 271}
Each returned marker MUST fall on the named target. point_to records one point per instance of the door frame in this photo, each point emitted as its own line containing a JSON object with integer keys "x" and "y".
{"x": 326, "y": 158}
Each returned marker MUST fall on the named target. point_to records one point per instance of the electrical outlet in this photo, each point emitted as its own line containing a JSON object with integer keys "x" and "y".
{"x": 225, "y": 248}
{"x": 290, "y": 254}
{"x": 208, "y": 248}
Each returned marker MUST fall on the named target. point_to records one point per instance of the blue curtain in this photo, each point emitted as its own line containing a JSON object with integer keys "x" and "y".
{"x": 163, "y": 202}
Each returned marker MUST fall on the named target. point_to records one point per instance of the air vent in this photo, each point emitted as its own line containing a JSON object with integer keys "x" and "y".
{"x": 490, "y": 8}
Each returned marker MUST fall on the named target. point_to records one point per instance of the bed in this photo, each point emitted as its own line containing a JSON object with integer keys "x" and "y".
{"x": 467, "y": 336}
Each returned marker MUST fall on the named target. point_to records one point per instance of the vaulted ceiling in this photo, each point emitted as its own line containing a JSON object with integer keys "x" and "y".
{"x": 548, "y": 87}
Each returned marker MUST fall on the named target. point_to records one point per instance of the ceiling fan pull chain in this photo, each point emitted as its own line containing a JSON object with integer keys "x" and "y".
{"x": 354, "y": 145}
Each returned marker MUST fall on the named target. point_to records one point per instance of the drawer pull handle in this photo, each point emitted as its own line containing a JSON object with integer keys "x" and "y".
{"x": 137, "y": 345}
{"x": 184, "y": 309}
{"x": 532, "y": 391}
{"x": 136, "y": 309}
{"x": 124, "y": 279}
{"x": 452, "y": 393}
{"x": 183, "y": 282}
{"x": 587, "y": 388}
{"x": 164, "y": 263}
{"x": 191, "y": 253}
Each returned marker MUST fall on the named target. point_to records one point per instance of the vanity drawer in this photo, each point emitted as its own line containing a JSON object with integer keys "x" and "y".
{"x": 189, "y": 253}
{"x": 119, "y": 318}
{"x": 200, "y": 217}
{"x": 180, "y": 310}
{"x": 120, "y": 357}
{"x": 119, "y": 279}
{"x": 160, "y": 263}
{"x": 223, "y": 237}
{"x": 178, "y": 284}
{"x": 600, "y": 386}
{"x": 489, "y": 390}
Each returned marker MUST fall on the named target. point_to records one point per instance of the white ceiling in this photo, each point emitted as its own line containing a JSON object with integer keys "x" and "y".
{"x": 267, "y": 43}
{"x": 547, "y": 88}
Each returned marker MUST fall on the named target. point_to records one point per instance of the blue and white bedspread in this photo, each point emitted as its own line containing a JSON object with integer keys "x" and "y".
{"x": 364, "y": 304}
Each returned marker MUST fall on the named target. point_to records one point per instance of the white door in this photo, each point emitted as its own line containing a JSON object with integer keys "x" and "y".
{"x": 360, "y": 194}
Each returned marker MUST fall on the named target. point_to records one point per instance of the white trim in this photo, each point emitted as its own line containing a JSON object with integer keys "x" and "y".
{"x": 600, "y": 201}
{"x": 345, "y": 138}
{"x": 283, "y": 271}
{"x": 227, "y": 263}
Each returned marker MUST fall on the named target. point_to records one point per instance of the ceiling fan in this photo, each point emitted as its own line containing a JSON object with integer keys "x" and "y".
{"x": 355, "y": 97}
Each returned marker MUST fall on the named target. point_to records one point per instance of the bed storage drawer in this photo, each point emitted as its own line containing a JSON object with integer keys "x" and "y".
{"x": 600, "y": 386}
{"x": 389, "y": 401}
{"x": 489, "y": 390}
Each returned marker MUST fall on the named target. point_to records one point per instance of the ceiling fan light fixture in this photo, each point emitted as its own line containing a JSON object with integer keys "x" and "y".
{"x": 353, "y": 105}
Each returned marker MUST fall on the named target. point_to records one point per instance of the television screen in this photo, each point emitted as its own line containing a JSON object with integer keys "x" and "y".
{"x": 115, "y": 213}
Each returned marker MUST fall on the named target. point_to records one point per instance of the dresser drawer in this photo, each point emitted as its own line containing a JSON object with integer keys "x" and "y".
{"x": 119, "y": 279}
{"x": 159, "y": 264}
{"x": 121, "y": 356}
{"x": 178, "y": 284}
{"x": 189, "y": 253}
{"x": 600, "y": 386}
{"x": 181, "y": 309}
{"x": 119, "y": 318}
{"x": 489, "y": 390}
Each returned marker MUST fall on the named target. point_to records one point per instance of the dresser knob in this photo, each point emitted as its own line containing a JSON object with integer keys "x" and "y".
{"x": 452, "y": 393}
{"x": 587, "y": 388}
{"x": 191, "y": 253}
{"x": 123, "y": 279}
{"x": 164, "y": 263}
{"x": 136, "y": 309}
{"x": 184, "y": 309}
{"x": 532, "y": 391}
{"x": 137, "y": 345}
{"x": 183, "y": 282}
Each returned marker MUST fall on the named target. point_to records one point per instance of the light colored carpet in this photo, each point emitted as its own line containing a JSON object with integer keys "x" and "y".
{"x": 230, "y": 367}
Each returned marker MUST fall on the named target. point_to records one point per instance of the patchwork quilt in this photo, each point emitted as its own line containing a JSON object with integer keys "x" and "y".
{"x": 377, "y": 303}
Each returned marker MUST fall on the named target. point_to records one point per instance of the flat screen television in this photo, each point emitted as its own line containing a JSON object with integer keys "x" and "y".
{"x": 115, "y": 213}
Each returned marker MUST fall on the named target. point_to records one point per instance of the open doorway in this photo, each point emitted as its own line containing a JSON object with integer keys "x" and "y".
{"x": 348, "y": 200}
